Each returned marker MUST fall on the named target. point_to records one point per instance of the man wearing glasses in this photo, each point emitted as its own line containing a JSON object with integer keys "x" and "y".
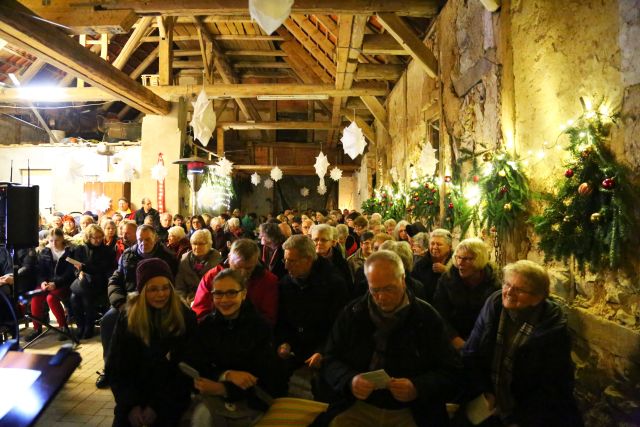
{"x": 389, "y": 329}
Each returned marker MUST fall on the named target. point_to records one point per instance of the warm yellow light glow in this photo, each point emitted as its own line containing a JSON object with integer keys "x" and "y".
{"x": 540, "y": 154}
{"x": 582, "y": 134}
{"x": 587, "y": 104}
{"x": 473, "y": 194}
{"x": 42, "y": 93}
{"x": 487, "y": 169}
{"x": 604, "y": 110}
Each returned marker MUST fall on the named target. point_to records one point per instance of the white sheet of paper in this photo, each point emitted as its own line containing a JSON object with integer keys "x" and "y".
{"x": 15, "y": 385}
{"x": 478, "y": 410}
{"x": 379, "y": 378}
{"x": 75, "y": 262}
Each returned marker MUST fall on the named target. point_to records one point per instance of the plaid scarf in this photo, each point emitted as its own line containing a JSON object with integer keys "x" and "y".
{"x": 502, "y": 365}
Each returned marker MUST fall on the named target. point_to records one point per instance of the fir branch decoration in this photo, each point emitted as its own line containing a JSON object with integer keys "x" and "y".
{"x": 390, "y": 202}
{"x": 425, "y": 203}
{"x": 590, "y": 216}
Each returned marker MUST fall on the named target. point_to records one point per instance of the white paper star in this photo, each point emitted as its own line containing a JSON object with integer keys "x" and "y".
{"x": 223, "y": 167}
{"x": 304, "y": 191}
{"x": 428, "y": 160}
{"x": 101, "y": 203}
{"x": 322, "y": 189}
{"x": 159, "y": 172}
{"x": 276, "y": 174}
{"x": 321, "y": 165}
{"x": 353, "y": 142}
{"x": 203, "y": 120}
{"x": 255, "y": 178}
{"x": 74, "y": 169}
{"x": 335, "y": 174}
{"x": 270, "y": 14}
{"x": 268, "y": 183}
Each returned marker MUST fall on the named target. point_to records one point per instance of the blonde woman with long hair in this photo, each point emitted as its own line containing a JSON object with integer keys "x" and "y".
{"x": 147, "y": 345}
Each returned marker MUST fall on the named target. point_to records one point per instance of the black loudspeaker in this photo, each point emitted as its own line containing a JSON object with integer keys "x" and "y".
{"x": 19, "y": 216}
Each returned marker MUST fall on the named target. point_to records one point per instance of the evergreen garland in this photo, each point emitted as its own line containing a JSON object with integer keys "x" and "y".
{"x": 425, "y": 203}
{"x": 390, "y": 202}
{"x": 589, "y": 217}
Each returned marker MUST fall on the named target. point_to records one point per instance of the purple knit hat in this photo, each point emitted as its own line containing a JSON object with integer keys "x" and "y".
{"x": 149, "y": 268}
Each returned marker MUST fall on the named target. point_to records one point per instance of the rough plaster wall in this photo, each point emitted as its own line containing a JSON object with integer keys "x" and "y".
{"x": 585, "y": 48}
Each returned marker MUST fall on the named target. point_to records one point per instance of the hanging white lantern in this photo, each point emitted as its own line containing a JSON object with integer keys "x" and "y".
{"x": 428, "y": 160}
{"x": 159, "y": 172}
{"x": 276, "y": 174}
{"x": 270, "y": 14}
{"x": 304, "y": 191}
{"x": 353, "y": 142}
{"x": 321, "y": 165}
{"x": 203, "y": 120}
{"x": 224, "y": 167}
{"x": 102, "y": 203}
{"x": 322, "y": 189}
{"x": 255, "y": 178}
{"x": 335, "y": 174}
{"x": 268, "y": 183}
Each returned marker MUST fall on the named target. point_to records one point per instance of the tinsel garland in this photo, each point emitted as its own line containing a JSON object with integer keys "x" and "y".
{"x": 589, "y": 217}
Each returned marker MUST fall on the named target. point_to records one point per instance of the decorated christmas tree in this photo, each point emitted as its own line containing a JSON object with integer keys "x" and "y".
{"x": 589, "y": 215}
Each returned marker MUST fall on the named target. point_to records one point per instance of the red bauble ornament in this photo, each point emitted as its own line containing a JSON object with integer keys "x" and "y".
{"x": 430, "y": 202}
{"x": 476, "y": 178}
{"x": 433, "y": 190}
{"x": 450, "y": 205}
{"x": 608, "y": 183}
{"x": 416, "y": 198}
{"x": 585, "y": 189}
{"x": 504, "y": 189}
{"x": 568, "y": 173}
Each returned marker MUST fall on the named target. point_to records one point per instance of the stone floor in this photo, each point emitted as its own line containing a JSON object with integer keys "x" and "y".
{"x": 79, "y": 403}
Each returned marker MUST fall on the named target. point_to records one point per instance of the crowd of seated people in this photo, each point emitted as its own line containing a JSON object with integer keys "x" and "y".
{"x": 333, "y": 297}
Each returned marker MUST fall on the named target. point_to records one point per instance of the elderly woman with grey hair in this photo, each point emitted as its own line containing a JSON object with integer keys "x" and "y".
{"x": 519, "y": 353}
{"x": 177, "y": 241}
{"x": 271, "y": 239}
{"x": 194, "y": 264}
{"x": 400, "y": 232}
{"x": 430, "y": 267}
{"x": 324, "y": 239}
{"x": 464, "y": 287}
{"x": 403, "y": 250}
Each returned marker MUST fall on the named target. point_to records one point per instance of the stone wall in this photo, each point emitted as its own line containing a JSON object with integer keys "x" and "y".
{"x": 510, "y": 79}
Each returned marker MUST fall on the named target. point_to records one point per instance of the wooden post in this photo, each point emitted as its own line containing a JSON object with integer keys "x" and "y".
{"x": 220, "y": 138}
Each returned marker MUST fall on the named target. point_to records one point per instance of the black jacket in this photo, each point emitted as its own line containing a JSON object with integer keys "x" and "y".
{"x": 140, "y": 215}
{"x": 59, "y": 272}
{"x": 418, "y": 349}
{"x": 306, "y": 313}
{"x": 458, "y": 304}
{"x": 542, "y": 380}
{"x": 341, "y": 266}
{"x": 149, "y": 375}
{"x": 241, "y": 344}
{"x": 423, "y": 271}
{"x": 123, "y": 279}
{"x": 97, "y": 265}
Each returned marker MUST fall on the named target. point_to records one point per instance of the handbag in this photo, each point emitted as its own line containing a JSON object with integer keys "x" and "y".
{"x": 80, "y": 285}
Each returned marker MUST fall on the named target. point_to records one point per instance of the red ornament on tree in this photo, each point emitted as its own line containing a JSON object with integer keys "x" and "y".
{"x": 416, "y": 198}
{"x": 568, "y": 173}
{"x": 450, "y": 205}
{"x": 608, "y": 183}
{"x": 433, "y": 190}
{"x": 504, "y": 189}
{"x": 476, "y": 178}
{"x": 430, "y": 202}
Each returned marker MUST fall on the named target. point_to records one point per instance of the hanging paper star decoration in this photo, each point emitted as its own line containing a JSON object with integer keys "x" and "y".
{"x": 353, "y": 142}
{"x": 74, "y": 169}
{"x": 304, "y": 191}
{"x": 255, "y": 178}
{"x": 428, "y": 160}
{"x": 159, "y": 172}
{"x": 322, "y": 189}
{"x": 336, "y": 173}
{"x": 102, "y": 203}
{"x": 321, "y": 165}
{"x": 268, "y": 183}
{"x": 276, "y": 174}
{"x": 203, "y": 120}
{"x": 270, "y": 14}
{"x": 223, "y": 167}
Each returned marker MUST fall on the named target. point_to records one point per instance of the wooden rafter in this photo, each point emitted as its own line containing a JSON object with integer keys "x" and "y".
{"x": 132, "y": 42}
{"x": 381, "y": 44}
{"x": 379, "y": 72}
{"x": 410, "y": 42}
{"x": 165, "y": 54}
{"x": 19, "y": 27}
{"x": 426, "y": 8}
{"x": 301, "y": 61}
{"x": 275, "y": 125}
{"x": 311, "y": 45}
{"x": 218, "y": 37}
{"x": 246, "y": 90}
{"x": 377, "y": 109}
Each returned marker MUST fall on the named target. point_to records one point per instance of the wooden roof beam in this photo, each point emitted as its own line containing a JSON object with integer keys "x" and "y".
{"x": 379, "y": 72}
{"x": 410, "y": 42}
{"x": 292, "y": 169}
{"x": 310, "y": 44}
{"x": 218, "y": 37}
{"x": 246, "y": 90}
{"x": 381, "y": 44}
{"x": 21, "y": 28}
{"x": 377, "y": 109}
{"x": 280, "y": 125}
{"x": 366, "y": 129}
{"x": 132, "y": 42}
{"x": 301, "y": 61}
{"x": 426, "y": 8}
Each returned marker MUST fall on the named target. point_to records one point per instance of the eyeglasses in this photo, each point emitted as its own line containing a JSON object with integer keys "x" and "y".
{"x": 509, "y": 287}
{"x": 461, "y": 259}
{"x": 231, "y": 293}
{"x": 319, "y": 240}
{"x": 292, "y": 261}
{"x": 384, "y": 290}
{"x": 158, "y": 289}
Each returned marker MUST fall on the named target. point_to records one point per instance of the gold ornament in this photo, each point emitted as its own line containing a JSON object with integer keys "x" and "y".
{"x": 487, "y": 157}
{"x": 585, "y": 189}
{"x": 507, "y": 207}
{"x": 567, "y": 218}
{"x": 555, "y": 227}
{"x": 502, "y": 173}
{"x": 595, "y": 217}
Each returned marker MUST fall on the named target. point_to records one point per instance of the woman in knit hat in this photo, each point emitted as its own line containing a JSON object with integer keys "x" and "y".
{"x": 147, "y": 345}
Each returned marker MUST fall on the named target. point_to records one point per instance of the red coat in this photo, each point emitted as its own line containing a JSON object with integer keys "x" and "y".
{"x": 262, "y": 291}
